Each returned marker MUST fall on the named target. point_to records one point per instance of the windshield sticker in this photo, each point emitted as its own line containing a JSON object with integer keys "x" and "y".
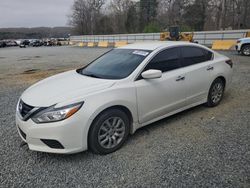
{"x": 139, "y": 52}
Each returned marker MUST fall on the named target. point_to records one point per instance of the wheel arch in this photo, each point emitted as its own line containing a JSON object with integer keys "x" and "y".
{"x": 210, "y": 102}
{"x": 245, "y": 44}
{"x": 220, "y": 77}
{"x": 223, "y": 79}
{"x": 123, "y": 108}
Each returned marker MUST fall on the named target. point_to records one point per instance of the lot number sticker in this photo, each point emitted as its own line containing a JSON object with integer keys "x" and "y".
{"x": 139, "y": 52}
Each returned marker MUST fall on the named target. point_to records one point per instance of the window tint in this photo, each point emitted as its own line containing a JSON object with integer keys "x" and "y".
{"x": 166, "y": 60}
{"x": 208, "y": 55}
{"x": 192, "y": 55}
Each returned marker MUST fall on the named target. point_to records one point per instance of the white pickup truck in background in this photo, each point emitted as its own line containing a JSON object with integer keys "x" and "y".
{"x": 243, "y": 46}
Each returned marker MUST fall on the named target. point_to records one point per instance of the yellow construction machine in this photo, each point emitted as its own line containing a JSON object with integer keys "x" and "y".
{"x": 174, "y": 34}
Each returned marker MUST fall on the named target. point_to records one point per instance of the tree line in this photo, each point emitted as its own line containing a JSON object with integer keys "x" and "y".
{"x": 35, "y": 33}
{"x": 131, "y": 16}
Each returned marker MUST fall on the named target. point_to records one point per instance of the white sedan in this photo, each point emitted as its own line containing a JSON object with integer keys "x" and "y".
{"x": 96, "y": 107}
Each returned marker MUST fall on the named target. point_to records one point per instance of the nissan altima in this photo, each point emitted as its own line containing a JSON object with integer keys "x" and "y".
{"x": 96, "y": 107}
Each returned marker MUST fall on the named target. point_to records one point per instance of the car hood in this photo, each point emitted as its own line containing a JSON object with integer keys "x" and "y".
{"x": 63, "y": 87}
{"x": 243, "y": 39}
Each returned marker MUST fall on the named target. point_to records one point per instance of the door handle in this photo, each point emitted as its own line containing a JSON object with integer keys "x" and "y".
{"x": 210, "y": 68}
{"x": 179, "y": 78}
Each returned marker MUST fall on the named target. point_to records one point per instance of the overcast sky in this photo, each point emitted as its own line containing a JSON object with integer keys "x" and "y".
{"x": 34, "y": 13}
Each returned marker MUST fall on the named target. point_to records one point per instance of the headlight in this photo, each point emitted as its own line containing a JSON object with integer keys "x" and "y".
{"x": 53, "y": 114}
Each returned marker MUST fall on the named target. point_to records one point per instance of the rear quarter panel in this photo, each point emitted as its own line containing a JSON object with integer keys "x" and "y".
{"x": 221, "y": 68}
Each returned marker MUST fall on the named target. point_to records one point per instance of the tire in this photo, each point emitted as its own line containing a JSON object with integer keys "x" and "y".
{"x": 216, "y": 92}
{"x": 108, "y": 131}
{"x": 245, "y": 50}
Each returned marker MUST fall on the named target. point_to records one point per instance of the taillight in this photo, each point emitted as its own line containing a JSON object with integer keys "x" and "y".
{"x": 229, "y": 62}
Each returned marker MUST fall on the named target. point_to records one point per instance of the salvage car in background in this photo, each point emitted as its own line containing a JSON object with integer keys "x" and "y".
{"x": 243, "y": 46}
{"x": 24, "y": 43}
{"x": 97, "y": 106}
{"x": 11, "y": 43}
{"x": 37, "y": 43}
{"x": 2, "y": 44}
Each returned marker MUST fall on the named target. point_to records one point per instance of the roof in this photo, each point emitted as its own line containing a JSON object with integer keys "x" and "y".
{"x": 152, "y": 45}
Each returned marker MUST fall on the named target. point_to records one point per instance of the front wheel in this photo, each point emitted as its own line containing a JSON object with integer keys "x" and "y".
{"x": 216, "y": 92}
{"x": 109, "y": 131}
{"x": 246, "y": 50}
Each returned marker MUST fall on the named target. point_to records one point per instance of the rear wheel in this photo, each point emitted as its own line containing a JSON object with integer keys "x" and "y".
{"x": 109, "y": 131}
{"x": 245, "y": 50}
{"x": 216, "y": 92}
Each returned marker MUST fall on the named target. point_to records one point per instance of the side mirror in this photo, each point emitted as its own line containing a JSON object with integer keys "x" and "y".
{"x": 151, "y": 74}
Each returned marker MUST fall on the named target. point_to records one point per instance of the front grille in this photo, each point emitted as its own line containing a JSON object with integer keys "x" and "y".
{"x": 24, "y": 108}
{"x": 22, "y": 133}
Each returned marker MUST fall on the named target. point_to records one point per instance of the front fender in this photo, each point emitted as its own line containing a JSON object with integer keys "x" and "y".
{"x": 97, "y": 103}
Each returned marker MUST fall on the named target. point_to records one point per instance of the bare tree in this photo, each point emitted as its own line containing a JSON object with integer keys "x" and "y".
{"x": 119, "y": 9}
{"x": 148, "y": 12}
{"x": 222, "y": 14}
{"x": 78, "y": 18}
{"x": 124, "y": 16}
{"x": 85, "y": 15}
{"x": 94, "y": 11}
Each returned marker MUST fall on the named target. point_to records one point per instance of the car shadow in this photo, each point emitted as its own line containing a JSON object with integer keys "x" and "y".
{"x": 146, "y": 130}
{"x": 139, "y": 133}
{"x": 168, "y": 120}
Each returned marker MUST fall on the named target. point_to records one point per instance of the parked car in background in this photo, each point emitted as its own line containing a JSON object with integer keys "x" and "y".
{"x": 37, "y": 43}
{"x": 11, "y": 43}
{"x": 2, "y": 44}
{"x": 50, "y": 42}
{"x": 24, "y": 43}
{"x": 97, "y": 106}
{"x": 18, "y": 42}
{"x": 243, "y": 46}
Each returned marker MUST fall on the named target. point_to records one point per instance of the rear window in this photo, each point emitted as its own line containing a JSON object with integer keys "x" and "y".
{"x": 193, "y": 55}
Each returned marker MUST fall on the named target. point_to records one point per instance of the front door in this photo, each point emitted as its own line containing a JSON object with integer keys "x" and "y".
{"x": 157, "y": 97}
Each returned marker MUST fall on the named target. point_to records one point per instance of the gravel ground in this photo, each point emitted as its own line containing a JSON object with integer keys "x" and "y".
{"x": 201, "y": 147}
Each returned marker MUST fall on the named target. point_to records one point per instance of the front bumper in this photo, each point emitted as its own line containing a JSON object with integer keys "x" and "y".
{"x": 237, "y": 47}
{"x": 67, "y": 136}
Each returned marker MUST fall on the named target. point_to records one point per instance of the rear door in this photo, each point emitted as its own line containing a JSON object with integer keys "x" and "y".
{"x": 157, "y": 97}
{"x": 197, "y": 64}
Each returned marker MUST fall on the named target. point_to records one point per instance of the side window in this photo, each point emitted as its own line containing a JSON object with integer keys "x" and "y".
{"x": 208, "y": 55}
{"x": 166, "y": 60}
{"x": 192, "y": 55}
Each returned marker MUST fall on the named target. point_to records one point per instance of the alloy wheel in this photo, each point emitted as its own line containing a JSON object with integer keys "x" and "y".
{"x": 111, "y": 132}
{"x": 217, "y": 92}
{"x": 246, "y": 51}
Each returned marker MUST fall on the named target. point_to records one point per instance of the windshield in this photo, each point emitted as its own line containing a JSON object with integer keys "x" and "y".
{"x": 116, "y": 64}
